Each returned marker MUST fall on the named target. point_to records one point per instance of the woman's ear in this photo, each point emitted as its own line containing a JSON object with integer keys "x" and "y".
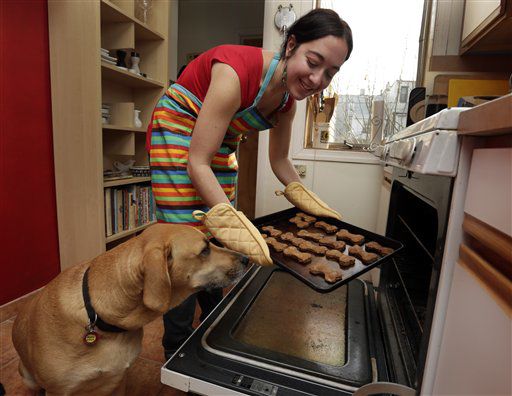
{"x": 156, "y": 293}
{"x": 290, "y": 45}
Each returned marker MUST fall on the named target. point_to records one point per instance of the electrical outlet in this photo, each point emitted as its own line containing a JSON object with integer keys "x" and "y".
{"x": 301, "y": 170}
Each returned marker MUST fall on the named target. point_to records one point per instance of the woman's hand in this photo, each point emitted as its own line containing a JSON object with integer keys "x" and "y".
{"x": 222, "y": 101}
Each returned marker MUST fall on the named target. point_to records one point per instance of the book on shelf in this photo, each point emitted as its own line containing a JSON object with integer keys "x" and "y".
{"x": 128, "y": 207}
{"x": 108, "y": 211}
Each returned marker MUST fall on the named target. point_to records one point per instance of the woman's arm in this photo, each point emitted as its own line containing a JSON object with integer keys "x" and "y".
{"x": 221, "y": 102}
{"x": 279, "y": 144}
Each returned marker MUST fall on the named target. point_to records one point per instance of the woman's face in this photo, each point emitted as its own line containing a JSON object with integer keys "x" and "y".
{"x": 313, "y": 64}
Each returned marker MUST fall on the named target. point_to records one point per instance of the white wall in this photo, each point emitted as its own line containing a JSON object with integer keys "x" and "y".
{"x": 206, "y": 23}
{"x": 351, "y": 186}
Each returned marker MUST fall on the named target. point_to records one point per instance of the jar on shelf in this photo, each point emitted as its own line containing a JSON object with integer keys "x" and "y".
{"x": 136, "y": 119}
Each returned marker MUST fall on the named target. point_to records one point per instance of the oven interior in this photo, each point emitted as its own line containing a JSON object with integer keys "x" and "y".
{"x": 408, "y": 286}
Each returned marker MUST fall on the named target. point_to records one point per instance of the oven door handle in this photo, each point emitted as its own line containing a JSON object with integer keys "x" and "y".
{"x": 374, "y": 388}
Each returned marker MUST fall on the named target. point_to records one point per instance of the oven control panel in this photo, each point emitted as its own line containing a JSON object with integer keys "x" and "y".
{"x": 255, "y": 385}
{"x": 432, "y": 153}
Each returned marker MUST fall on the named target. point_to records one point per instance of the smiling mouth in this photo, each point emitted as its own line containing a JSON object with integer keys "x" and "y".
{"x": 305, "y": 88}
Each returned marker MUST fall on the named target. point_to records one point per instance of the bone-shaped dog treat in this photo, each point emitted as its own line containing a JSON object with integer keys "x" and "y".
{"x": 331, "y": 242}
{"x": 295, "y": 254}
{"x": 287, "y": 236}
{"x": 297, "y": 241}
{"x": 330, "y": 274}
{"x": 314, "y": 236}
{"x": 264, "y": 235}
{"x": 306, "y": 217}
{"x": 303, "y": 224}
{"x": 295, "y": 219}
{"x": 354, "y": 239}
{"x": 274, "y": 232}
{"x": 343, "y": 260}
{"x": 308, "y": 246}
{"x": 365, "y": 257}
{"x": 376, "y": 247}
{"x": 275, "y": 244}
{"x": 328, "y": 228}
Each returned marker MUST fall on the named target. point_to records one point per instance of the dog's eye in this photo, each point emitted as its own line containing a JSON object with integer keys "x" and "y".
{"x": 205, "y": 252}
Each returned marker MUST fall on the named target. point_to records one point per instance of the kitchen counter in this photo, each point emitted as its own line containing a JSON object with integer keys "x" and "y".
{"x": 488, "y": 119}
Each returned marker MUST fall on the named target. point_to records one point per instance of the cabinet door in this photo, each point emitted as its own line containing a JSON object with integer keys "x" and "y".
{"x": 487, "y": 27}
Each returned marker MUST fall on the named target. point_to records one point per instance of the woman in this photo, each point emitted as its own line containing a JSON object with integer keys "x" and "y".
{"x": 224, "y": 93}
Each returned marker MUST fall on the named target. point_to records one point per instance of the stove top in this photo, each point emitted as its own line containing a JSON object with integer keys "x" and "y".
{"x": 430, "y": 146}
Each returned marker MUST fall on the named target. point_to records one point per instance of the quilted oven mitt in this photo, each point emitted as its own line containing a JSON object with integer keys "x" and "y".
{"x": 235, "y": 232}
{"x": 307, "y": 201}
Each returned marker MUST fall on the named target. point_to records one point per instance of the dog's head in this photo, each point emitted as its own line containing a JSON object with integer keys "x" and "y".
{"x": 178, "y": 258}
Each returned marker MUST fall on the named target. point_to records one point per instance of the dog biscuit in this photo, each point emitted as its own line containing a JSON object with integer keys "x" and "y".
{"x": 342, "y": 259}
{"x": 328, "y": 228}
{"x": 306, "y": 217}
{"x": 376, "y": 247}
{"x": 287, "y": 236}
{"x": 295, "y": 219}
{"x": 274, "y": 232}
{"x": 263, "y": 235}
{"x": 303, "y": 224}
{"x": 330, "y": 274}
{"x": 354, "y": 239}
{"x": 365, "y": 257}
{"x": 314, "y": 236}
{"x": 297, "y": 241}
{"x": 275, "y": 244}
{"x": 308, "y": 246}
{"x": 332, "y": 242}
{"x": 294, "y": 253}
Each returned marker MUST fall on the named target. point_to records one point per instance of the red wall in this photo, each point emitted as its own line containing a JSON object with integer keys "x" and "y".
{"x": 29, "y": 241}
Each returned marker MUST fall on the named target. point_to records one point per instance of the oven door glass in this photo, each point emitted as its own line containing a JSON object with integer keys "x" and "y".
{"x": 296, "y": 321}
{"x": 285, "y": 323}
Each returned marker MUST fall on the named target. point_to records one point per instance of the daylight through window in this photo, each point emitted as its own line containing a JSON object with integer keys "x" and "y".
{"x": 367, "y": 99}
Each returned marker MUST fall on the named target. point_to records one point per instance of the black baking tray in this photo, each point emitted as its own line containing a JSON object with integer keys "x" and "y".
{"x": 280, "y": 220}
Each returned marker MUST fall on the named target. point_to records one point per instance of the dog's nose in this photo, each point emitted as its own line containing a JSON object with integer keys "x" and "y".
{"x": 244, "y": 260}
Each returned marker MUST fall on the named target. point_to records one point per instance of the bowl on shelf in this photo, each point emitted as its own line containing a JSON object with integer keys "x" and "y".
{"x": 140, "y": 171}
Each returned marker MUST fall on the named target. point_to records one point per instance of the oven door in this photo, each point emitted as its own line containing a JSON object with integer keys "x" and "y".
{"x": 273, "y": 335}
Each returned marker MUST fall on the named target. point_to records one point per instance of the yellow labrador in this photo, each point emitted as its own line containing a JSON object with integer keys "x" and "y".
{"x": 128, "y": 287}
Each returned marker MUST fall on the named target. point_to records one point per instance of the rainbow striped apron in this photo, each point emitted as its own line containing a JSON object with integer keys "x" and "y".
{"x": 172, "y": 125}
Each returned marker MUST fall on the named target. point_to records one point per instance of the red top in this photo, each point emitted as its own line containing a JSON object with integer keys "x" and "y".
{"x": 246, "y": 61}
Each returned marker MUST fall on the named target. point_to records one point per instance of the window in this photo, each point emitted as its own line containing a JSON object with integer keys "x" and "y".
{"x": 367, "y": 99}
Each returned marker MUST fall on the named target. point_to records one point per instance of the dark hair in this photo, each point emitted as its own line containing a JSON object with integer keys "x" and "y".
{"x": 316, "y": 24}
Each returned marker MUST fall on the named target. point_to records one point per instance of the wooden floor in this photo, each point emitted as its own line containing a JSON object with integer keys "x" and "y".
{"x": 143, "y": 377}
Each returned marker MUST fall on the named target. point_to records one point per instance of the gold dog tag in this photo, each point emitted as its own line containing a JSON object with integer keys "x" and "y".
{"x": 91, "y": 337}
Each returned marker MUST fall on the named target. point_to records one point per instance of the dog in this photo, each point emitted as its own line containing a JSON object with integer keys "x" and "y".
{"x": 61, "y": 346}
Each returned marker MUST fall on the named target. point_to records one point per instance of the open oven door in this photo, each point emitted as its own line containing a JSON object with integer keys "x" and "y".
{"x": 273, "y": 335}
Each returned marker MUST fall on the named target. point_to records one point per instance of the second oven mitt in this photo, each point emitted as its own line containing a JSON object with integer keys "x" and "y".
{"x": 307, "y": 201}
{"x": 235, "y": 231}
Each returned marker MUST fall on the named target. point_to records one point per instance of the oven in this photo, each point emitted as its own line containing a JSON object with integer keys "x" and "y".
{"x": 274, "y": 335}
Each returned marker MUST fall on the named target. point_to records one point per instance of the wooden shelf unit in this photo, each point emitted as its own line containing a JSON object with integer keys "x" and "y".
{"x": 123, "y": 234}
{"x": 80, "y": 84}
{"x": 123, "y": 182}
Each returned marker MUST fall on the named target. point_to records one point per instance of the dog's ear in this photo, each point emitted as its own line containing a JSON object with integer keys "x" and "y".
{"x": 157, "y": 283}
